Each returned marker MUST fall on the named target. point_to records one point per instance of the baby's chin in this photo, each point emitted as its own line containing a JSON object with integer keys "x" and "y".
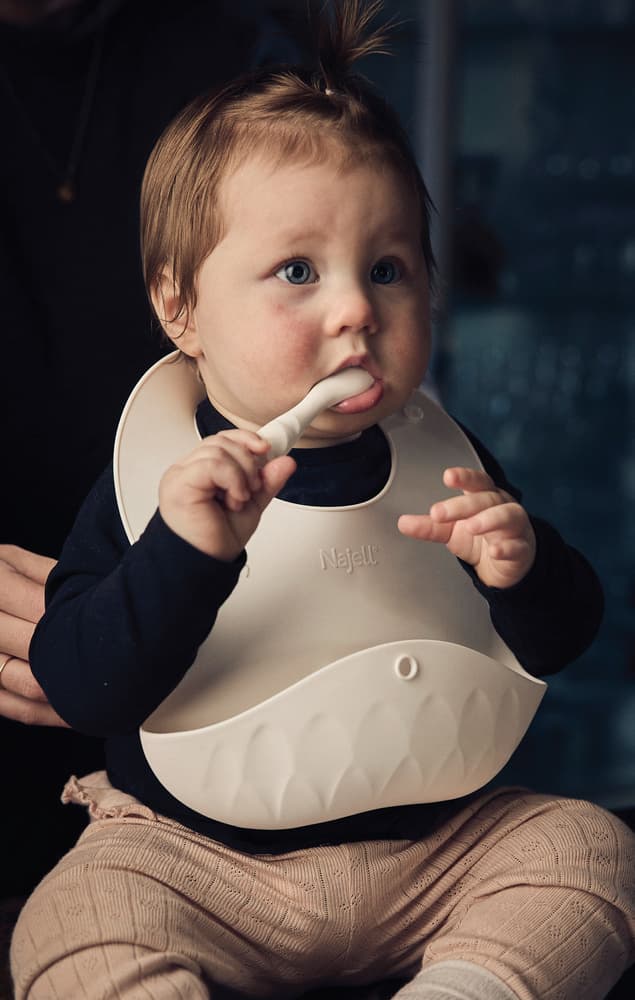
{"x": 331, "y": 429}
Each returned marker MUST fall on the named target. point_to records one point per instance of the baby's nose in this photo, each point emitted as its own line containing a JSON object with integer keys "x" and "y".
{"x": 352, "y": 310}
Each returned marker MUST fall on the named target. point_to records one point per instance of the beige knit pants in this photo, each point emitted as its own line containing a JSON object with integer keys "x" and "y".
{"x": 536, "y": 889}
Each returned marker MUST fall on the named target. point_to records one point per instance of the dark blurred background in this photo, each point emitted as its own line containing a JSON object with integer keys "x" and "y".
{"x": 522, "y": 112}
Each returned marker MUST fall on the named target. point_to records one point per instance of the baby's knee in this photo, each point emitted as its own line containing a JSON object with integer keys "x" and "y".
{"x": 122, "y": 970}
{"x": 78, "y": 937}
{"x": 575, "y": 845}
{"x": 581, "y": 832}
{"x": 76, "y": 908}
{"x": 53, "y": 923}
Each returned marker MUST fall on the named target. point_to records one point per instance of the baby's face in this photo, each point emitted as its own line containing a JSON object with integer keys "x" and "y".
{"x": 318, "y": 270}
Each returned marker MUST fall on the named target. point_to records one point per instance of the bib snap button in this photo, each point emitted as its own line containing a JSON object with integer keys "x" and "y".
{"x": 406, "y": 667}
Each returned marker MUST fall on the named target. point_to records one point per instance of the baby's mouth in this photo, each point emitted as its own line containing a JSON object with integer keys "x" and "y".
{"x": 363, "y": 401}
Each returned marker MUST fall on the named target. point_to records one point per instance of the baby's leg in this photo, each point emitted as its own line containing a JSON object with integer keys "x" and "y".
{"x": 545, "y": 906}
{"x": 129, "y": 970}
{"x": 112, "y": 920}
{"x": 143, "y": 909}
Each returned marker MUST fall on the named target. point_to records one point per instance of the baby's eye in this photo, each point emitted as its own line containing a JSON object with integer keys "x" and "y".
{"x": 296, "y": 272}
{"x": 385, "y": 272}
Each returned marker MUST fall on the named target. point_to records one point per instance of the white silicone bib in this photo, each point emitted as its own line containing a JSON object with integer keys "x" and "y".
{"x": 351, "y": 668}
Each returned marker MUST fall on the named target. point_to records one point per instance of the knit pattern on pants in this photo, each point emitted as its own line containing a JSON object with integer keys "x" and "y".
{"x": 536, "y": 889}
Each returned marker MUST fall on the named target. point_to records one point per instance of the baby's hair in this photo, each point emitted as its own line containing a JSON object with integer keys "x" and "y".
{"x": 345, "y": 37}
{"x": 285, "y": 113}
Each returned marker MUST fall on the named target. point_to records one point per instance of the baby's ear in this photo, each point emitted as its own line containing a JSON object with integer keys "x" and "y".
{"x": 173, "y": 315}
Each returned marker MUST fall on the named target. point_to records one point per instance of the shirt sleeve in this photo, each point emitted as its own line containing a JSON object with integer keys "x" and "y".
{"x": 123, "y": 622}
{"x": 553, "y": 614}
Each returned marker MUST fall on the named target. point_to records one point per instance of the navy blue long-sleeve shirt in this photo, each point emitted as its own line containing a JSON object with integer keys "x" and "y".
{"x": 124, "y": 622}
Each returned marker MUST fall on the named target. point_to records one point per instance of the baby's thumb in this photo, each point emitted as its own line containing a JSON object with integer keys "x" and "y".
{"x": 274, "y": 476}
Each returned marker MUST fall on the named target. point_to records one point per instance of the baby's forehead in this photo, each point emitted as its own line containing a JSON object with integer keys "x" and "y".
{"x": 265, "y": 164}
{"x": 274, "y": 207}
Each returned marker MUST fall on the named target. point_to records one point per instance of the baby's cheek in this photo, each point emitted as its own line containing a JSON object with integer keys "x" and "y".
{"x": 415, "y": 351}
{"x": 410, "y": 354}
{"x": 294, "y": 336}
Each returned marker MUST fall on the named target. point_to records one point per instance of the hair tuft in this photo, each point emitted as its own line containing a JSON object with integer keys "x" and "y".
{"x": 344, "y": 36}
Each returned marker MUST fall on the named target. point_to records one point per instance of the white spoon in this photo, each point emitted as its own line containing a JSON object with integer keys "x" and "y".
{"x": 282, "y": 432}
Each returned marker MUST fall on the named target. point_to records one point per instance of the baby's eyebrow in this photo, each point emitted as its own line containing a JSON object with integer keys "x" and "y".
{"x": 296, "y": 237}
{"x": 297, "y": 234}
{"x": 397, "y": 235}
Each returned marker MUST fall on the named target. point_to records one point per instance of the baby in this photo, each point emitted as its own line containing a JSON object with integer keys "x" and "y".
{"x": 285, "y": 238}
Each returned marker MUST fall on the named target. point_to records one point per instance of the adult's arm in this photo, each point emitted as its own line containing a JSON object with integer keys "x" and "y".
{"x": 123, "y": 622}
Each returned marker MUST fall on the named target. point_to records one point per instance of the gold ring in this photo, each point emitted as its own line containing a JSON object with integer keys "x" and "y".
{"x": 3, "y": 665}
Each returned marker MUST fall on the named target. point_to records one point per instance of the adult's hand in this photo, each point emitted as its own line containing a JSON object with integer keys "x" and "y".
{"x": 22, "y": 578}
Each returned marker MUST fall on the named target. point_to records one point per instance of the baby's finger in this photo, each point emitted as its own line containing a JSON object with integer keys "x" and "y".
{"x": 473, "y": 481}
{"x": 504, "y": 519}
{"x": 218, "y": 449}
{"x": 249, "y": 439}
{"x": 462, "y": 507}
{"x": 207, "y": 477}
{"x": 422, "y": 526}
{"x": 460, "y": 477}
{"x": 274, "y": 476}
{"x": 512, "y": 550}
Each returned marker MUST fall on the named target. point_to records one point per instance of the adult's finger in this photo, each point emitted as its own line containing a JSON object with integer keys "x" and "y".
{"x": 30, "y": 713}
{"x": 15, "y": 635}
{"x": 29, "y": 564}
{"x": 21, "y": 697}
{"x": 20, "y": 595}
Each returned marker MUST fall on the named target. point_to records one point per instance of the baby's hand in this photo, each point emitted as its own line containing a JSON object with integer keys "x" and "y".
{"x": 215, "y": 496}
{"x": 484, "y": 527}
